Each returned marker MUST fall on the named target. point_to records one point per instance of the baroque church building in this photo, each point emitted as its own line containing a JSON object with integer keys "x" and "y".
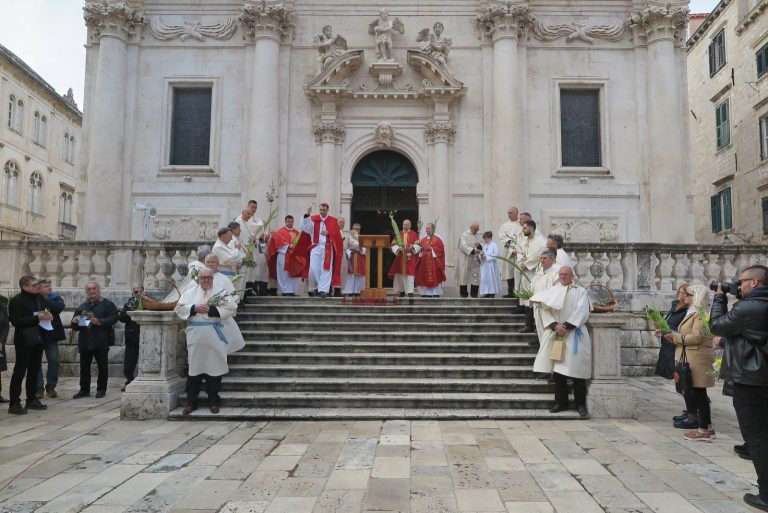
{"x": 447, "y": 110}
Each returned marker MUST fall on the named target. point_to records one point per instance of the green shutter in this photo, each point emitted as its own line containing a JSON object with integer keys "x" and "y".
{"x": 714, "y": 203}
{"x": 765, "y": 215}
{"x": 726, "y": 206}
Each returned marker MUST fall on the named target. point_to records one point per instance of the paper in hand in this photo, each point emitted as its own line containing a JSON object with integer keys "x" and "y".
{"x": 46, "y": 325}
{"x": 84, "y": 322}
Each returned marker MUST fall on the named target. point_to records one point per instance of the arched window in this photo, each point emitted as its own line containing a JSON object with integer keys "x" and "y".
{"x": 19, "y": 117}
{"x": 65, "y": 148}
{"x": 10, "y": 181}
{"x": 71, "y": 149}
{"x": 12, "y": 111}
{"x": 36, "y": 128}
{"x": 35, "y": 203}
{"x": 65, "y": 207}
{"x": 43, "y": 137}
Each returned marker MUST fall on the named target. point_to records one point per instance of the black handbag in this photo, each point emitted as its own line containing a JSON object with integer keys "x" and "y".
{"x": 665, "y": 365}
{"x": 31, "y": 336}
{"x": 683, "y": 377}
{"x": 728, "y": 388}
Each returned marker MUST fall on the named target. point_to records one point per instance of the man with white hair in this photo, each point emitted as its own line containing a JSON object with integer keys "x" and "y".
{"x": 211, "y": 335}
{"x": 219, "y": 280}
{"x": 566, "y": 347}
{"x": 467, "y": 266}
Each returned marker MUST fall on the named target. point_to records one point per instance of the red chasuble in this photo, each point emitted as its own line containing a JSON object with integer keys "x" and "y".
{"x": 295, "y": 263}
{"x": 333, "y": 247}
{"x": 430, "y": 270}
{"x": 400, "y": 266}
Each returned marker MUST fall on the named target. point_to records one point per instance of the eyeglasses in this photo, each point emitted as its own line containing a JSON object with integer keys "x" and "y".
{"x": 689, "y": 294}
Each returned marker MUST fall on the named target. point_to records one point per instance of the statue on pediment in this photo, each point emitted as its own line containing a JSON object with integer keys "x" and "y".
{"x": 435, "y": 45}
{"x": 382, "y": 30}
{"x": 329, "y": 45}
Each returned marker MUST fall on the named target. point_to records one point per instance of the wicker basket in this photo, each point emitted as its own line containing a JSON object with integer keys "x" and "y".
{"x": 612, "y": 303}
{"x": 152, "y": 304}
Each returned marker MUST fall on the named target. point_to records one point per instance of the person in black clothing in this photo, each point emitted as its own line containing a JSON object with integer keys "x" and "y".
{"x": 25, "y": 311}
{"x": 55, "y": 304}
{"x": 94, "y": 320}
{"x": 745, "y": 362}
{"x": 132, "y": 331}
{"x": 3, "y": 338}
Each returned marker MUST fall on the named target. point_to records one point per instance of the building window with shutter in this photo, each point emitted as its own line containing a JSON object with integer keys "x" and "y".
{"x": 580, "y": 128}
{"x": 762, "y": 60}
{"x": 722, "y": 127}
{"x": 764, "y": 138}
{"x": 191, "y": 126}
{"x": 765, "y": 215}
{"x": 722, "y": 212}
{"x": 717, "y": 53}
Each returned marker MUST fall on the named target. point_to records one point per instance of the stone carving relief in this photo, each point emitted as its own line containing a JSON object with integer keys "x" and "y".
{"x": 656, "y": 21}
{"x": 192, "y": 30}
{"x": 185, "y": 228}
{"x": 112, "y": 18}
{"x": 265, "y": 19}
{"x": 329, "y": 45}
{"x": 435, "y": 45}
{"x": 573, "y": 31}
{"x": 328, "y": 133}
{"x": 586, "y": 229}
{"x": 384, "y": 135}
{"x": 440, "y": 133}
{"x": 504, "y": 20}
{"x": 382, "y": 30}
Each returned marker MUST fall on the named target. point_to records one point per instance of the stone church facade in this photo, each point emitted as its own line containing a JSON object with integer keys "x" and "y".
{"x": 448, "y": 110}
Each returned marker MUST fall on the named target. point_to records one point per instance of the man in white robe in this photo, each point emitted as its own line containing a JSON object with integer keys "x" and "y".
{"x": 211, "y": 335}
{"x": 239, "y": 245}
{"x": 354, "y": 262}
{"x": 254, "y": 229}
{"x": 564, "y": 313}
{"x": 220, "y": 281}
{"x": 528, "y": 258}
{"x": 281, "y": 250}
{"x": 467, "y": 266}
{"x": 555, "y": 242}
{"x": 546, "y": 277}
{"x": 509, "y": 233}
{"x": 325, "y": 249}
{"x": 230, "y": 259}
{"x": 343, "y": 275}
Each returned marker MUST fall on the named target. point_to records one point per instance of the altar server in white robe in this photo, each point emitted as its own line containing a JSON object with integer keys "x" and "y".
{"x": 253, "y": 228}
{"x": 555, "y": 243}
{"x": 509, "y": 233}
{"x": 354, "y": 263}
{"x": 219, "y": 280}
{"x": 564, "y": 314}
{"x": 467, "y": 265}
{"x": 546, "y": 277}
{"x": 531, "y": 248}
{"x": 211, "y": 335}
{"x": 490, "y": 280}
{"x": 230, "y": 258}
{"x": 238, "y": 244}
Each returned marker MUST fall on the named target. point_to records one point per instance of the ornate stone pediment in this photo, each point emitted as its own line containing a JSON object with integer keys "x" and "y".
{"x": 266, "y": 19}
{"x": 334, "y": 79}
{"x": 112, "y": 18}
{"x": 437, "y": 80}
{"x": 587, "y": 229}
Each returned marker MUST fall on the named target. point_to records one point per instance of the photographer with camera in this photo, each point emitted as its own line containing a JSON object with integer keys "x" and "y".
{"x": 745, "y": 362}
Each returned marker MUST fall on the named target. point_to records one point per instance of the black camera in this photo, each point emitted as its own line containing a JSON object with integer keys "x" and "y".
{"x": 729, "y": 287}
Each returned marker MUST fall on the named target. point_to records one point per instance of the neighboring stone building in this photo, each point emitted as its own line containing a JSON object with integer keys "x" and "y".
{"x": 451, "y": 110}
{"x": 39, "y": 164}
{"x": 728, "y": 96}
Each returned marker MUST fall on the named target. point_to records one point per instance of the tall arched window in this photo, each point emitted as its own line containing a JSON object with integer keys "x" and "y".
{"x": 35, "y": 203}
{"x": 36, "y": 128}
{"x": 10, "y": 181}
{"x": 43, "y": 137}
{"x": 65, "y": 207}
{"x": 19, "y": 126}
{"x": 11, "y": 111}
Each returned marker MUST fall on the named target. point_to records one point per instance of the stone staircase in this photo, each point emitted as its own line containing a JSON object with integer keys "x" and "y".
{"x": 447, "y": 358}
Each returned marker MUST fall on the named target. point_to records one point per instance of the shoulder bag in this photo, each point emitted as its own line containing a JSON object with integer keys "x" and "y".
{"x": 683, "y": 377}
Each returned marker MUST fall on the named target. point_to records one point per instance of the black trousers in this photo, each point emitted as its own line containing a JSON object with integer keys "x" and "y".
{"x": 130, "y": 360}
{"x": 750, "y": 405}
{"x": 561, "y": 390}
{"x": 212, "y": 388}
{"x": 530, "y": 321}
{"x": 702, "y": 407}
{"x": 100, "y": 353}
{"x": 28, "y": 362}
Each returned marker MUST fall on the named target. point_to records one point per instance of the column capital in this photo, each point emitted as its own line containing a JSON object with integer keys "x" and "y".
{"x": 266, "y": 20}
{"x": 440, "y": 133}
{"x": 656, "y": 22}
{"x": 111, "y": 18}
{"x": 506, "y": 21}
{"x": 328, "y": 133}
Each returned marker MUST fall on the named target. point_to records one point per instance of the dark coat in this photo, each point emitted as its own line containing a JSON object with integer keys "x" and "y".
{"x": 132, "y": 328}
{"x": 55, "y": 304}
{"x": 90, "y": 337}
{"x": 745, "y": 331}
{"x": 4, "y": 326}
{"x": 21, "y": 313}
{"x": 665, "y": 365}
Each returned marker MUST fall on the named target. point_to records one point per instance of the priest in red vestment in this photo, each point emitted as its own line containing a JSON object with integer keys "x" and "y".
{"x": 403, "y": 269}
{"x": 323, "y": 247}
{"x": 430, "y": 267}
{"x": 286, "y": 265}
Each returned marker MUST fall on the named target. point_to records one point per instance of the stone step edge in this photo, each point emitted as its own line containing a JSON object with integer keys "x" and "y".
{"x": 342, "y": 367}
{"x": 244, "y": 413}
{"x": 525, "y": 396}
{"x": 383, "y": 381}
{"x": 399, "y": 356}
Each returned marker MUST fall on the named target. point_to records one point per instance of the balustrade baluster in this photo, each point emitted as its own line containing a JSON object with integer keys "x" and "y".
{"x": 680, "y": 272}
{"x": 84, "y": 267}
{"x": 664, "y": 271}
{"x": 101, "y": 266}
{"x": 69, "y": 268}
{"x": 696, "y": 269}
{"x": 598, "y": 267}
{"x": 52, "y": 269}
{"x": 36, "y": 262}
{"x": 614, "y": 270}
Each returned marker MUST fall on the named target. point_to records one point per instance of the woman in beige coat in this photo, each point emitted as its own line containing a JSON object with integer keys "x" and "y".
{"x": 692, "y": 333}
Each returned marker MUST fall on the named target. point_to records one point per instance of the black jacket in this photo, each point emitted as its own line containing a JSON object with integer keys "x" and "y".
{"x": 745, "y": 332}
{"x": 132, "y": 328}
{"x": 21, "y": 313}
{"x": 55, "y": 304}
{"x": 91, "y": 337}
{"x": 3, "y": 332}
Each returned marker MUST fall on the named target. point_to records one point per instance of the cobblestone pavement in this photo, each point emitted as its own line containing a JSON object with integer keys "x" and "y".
{"x": 78, "y": 456}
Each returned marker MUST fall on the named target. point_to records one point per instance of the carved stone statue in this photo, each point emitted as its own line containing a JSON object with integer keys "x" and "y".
{"x": 384, "y": 134}
{"x": 435, "y": 45}
{"x": 382, "y": 30}
{"x": 329, "y": 45}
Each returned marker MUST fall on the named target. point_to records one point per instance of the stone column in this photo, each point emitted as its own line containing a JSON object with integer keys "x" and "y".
{"x": 265, "y": 26}
{"x": 666, "y": 161}
{"x": 440, "y": 135}
{"x": 504, "y": 25}
{"x": 111, "y": 25}
{"x": 155, "y": 392}
{"x": 328, "y": 136}
{"x": 609, "y": 397}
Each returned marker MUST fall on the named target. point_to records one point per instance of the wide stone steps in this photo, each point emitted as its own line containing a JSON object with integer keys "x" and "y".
{"x": 329, "y": 359}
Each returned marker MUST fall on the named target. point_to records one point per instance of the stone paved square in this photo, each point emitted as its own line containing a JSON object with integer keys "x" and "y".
{"x": 78, "y": 456}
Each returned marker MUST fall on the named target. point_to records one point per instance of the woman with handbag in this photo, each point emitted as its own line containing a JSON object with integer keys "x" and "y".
{"x": 694, "y": 344}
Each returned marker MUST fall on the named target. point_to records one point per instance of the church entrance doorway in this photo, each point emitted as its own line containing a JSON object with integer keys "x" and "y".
{"x": 383, "y": 181}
